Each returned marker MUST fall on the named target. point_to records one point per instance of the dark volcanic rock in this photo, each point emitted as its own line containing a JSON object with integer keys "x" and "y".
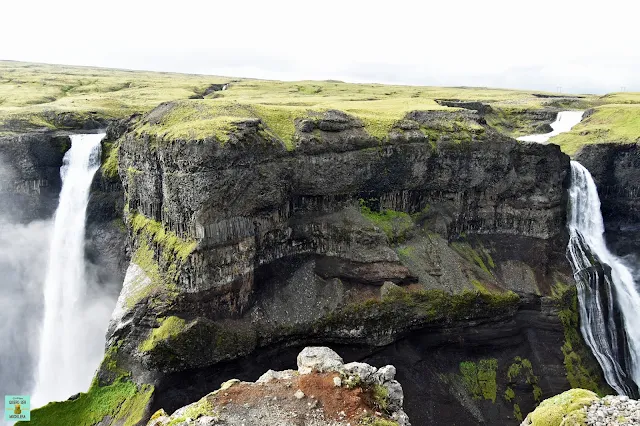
{"x": 30, "y": 174}
{"x": 480, "y": 107}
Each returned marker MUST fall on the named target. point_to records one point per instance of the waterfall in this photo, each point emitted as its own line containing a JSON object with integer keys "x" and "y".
{"x": 564, "y": 122}
{"x": 70, "y": 342}
{"x": 606, "y": 288}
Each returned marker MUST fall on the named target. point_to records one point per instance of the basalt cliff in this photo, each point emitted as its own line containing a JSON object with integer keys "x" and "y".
{"x": 439, "y": 249}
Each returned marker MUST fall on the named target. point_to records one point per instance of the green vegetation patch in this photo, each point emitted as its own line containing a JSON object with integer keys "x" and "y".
{"x": 172, "y": 245}
{"x": 280, "y": 121}
{"x": 381, "y": 397}
{"x": 396, "y": 225}
{"x": 110, "y": 361}
{"x": 160, "y": 254}
{"x": 55, "y": 96}
{"x": 522, "y": 370}
{"x": 565, "y": 409}
{"x": 480, "y": 378}
{"x": 480, "y": 256}
{"x": 194, "y": 119}
{"x": 509, "y": 394}
{"x": 607, "y": 123}
{"x": 123, "y": 401}
{"x": 144, "y": 258}
{"x": 110, "y": 152}
{"x": 169, "y": 327}
{"x": 201, "y": 342}
{"x": 517, "y": 412}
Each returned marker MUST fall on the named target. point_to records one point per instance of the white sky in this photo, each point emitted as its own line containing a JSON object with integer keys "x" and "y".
{"x": 581, "y": 46}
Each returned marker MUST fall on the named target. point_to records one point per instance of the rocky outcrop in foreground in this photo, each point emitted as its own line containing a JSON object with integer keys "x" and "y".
{"x": 579, "y": 407}
{"x": 322, "y": 392}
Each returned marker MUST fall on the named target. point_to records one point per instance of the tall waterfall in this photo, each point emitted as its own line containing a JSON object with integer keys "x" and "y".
{"x": 70, "y": 345}
{"x": 606, "y": 288}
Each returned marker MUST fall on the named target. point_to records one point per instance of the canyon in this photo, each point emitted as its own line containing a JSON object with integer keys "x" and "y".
{"x": 438, "y": 248}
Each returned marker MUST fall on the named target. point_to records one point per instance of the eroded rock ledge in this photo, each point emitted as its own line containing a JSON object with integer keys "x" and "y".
{"x": 322, "y": 392}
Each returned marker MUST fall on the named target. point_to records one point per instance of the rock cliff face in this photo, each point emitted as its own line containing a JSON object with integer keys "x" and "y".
{"x": 440, "y": 250}
{"x": 616, "y": 170}
{"x": 30, "y": 175}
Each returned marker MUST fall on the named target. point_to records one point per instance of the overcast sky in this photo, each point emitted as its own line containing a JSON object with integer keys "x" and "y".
{"x": 581, "y": 46}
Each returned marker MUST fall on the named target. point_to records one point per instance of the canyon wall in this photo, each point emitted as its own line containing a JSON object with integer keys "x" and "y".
{"x": 440, "y": 250}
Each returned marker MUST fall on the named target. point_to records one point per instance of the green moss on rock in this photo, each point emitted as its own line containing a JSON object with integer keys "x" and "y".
{"x": 110, "y": 152}
{"x": 565, "y": 409}
{"x": 123, "y": 402}
{"x": 480, "y": 257}
{"x": 194, "y": 119}
{"x": 509, "y": 394}
{"x": 381, "y": 396}
{"x": 172, "y": 245}
{"x": 144, "y": 258}
{"x": 194, "y": 411}
{"x": 480, "y": 378}
{"x": 376, "y": 421}
{"x": 199, "y": 342}
{"x": 160, "y": 254}
{"x": 169, "y": 328}
{"x": 400, "y": 306}
{"x": 396, "y": 225}
{"x": 517, "y": 412}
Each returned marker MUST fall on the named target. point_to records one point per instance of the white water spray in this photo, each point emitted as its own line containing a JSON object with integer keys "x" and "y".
{"x": 587, "y": 248}
{"x": 70, "y": 345}
{"x": 564, "y": 122}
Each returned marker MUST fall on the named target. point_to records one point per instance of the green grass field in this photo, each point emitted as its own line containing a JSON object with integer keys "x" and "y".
{"x": 31, "y": 94}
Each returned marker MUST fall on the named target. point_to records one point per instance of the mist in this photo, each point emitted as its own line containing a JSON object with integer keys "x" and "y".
{"x": 24, "y": 261}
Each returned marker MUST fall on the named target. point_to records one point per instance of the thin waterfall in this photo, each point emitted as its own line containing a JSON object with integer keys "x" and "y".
{"x": 608, "y": 296}
{"x": 70, "y": 344}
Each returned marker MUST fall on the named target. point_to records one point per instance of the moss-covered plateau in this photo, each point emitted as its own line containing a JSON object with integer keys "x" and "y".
{"x": 40, "y": 96}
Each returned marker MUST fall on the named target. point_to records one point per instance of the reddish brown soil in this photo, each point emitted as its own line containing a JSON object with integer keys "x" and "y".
{"x": 340, "y": 403}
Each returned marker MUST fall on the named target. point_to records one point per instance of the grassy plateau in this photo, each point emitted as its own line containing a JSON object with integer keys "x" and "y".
{"x": 36, "y": 96}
